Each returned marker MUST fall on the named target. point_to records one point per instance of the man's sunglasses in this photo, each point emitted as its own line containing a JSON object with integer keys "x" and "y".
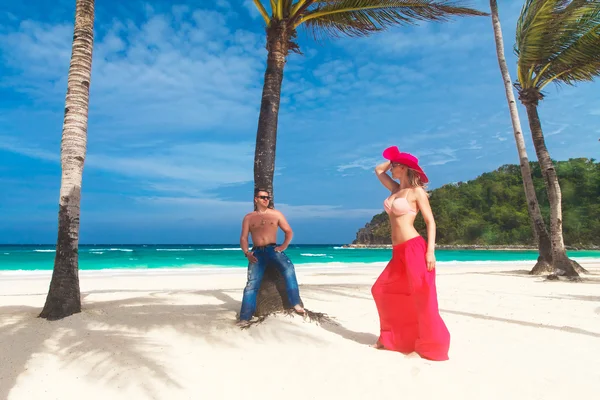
{"x": 264, "y": 197}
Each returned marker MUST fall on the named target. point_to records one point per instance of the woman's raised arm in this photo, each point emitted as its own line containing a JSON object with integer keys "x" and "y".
{"x": 384, "y": 178}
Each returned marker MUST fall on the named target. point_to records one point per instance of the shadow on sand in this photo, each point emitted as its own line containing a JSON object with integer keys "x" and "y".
{"x": 112, "y": 336}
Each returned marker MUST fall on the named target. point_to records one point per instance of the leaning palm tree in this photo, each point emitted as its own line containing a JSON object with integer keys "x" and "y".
{"x": 331, "y": 18}
{"x": 557, "y": 41}
{"x": 540, "y": 233}
{"x": 64, "y": 295}
{"x": 325, "y": 18}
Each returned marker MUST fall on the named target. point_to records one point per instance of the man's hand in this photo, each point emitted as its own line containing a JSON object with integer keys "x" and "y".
{"x": 251, "y": 257}
{"x": 430, "y": 258}
{"x": 279, "y": 249}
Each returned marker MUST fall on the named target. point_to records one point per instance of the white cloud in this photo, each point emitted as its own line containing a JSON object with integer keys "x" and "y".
{"x": 13, "y": 146}
{"x": 223, "y": 4}
{"x": 460, "y": 34}
{"x": 175, "y": 72}
{"x": 556, "y": 131}
{"x": 362, "y": 163}
{"x": 326, "y": 211}
{"x": 252, "y": 10}
{"x": 442, "y": 156}
{"x": 234, "y": 210}
{"x": 206, "y": 165}
{"x": 169, "y": 168}
{"x": 428, "y": 36}
{"x": 473, "y": 145}
{"x": 341, "y": 82}
{"x": 501, "y": 136}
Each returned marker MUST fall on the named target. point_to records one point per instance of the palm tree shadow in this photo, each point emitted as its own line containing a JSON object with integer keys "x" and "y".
{"x": 109, "y": 340}
{"x": 564, "y": 328}
{"x": 349, "y": 291}
{"x": 340, "y": 330}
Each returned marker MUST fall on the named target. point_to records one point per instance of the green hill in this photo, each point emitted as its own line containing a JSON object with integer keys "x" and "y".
{"x": 491, "y": 209}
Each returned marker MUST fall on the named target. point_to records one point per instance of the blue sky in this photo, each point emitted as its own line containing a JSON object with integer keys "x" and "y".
{"x": 174, "y": 106}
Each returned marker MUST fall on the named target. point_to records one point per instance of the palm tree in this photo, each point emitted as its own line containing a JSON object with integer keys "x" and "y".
{"x": 544, "y": 263}
{"x": 64, "y": 295}
{"x": 330, "y": 18}
{"x": 322, "y": 18}
{"x": 557, "y": 41}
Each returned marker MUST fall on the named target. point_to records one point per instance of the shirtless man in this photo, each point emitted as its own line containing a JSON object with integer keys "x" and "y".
{"x": 262, "y": 225}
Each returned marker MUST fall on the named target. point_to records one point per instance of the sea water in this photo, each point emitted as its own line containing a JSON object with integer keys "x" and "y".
{"x": 101, "y": 257}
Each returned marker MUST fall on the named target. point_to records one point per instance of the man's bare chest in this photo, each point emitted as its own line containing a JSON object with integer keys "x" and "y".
{"x": 263, "y": 221}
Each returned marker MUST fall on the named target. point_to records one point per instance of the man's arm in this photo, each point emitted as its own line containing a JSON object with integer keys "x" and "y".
{"x": 244, "y": 235}
{"x": 287, "y": 229}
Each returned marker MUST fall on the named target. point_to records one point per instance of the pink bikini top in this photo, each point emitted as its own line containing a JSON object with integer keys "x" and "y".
{"x": 399, "y": 206}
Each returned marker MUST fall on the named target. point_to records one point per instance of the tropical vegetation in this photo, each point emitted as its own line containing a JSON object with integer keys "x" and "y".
{"x": 492, "y": 209}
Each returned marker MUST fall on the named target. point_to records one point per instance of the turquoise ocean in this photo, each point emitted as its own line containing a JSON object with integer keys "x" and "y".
{"x": 110, "y": 257}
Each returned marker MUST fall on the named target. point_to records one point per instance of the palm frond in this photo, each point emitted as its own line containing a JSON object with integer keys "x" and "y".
{"x": 578, "y": 62}
{"x": 558, "y": 40}
{"x": 533, "y": 37}
{"x": 263, "y": 12}
{"x": 363, "y": 17}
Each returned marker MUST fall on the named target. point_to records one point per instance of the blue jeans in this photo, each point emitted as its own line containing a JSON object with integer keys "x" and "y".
{"x": 268, "y": 256}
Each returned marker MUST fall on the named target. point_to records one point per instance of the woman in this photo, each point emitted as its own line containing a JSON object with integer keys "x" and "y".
{"x": 405, "y": 293}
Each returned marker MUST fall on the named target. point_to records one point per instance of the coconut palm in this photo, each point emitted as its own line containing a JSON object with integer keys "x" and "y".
{"x": 64, "y": 295}
{"x": 324, "y": 18}
{"x": 544, "y": 263}
{"x": 557, "y": 41}
{"x": 330, "y": 18}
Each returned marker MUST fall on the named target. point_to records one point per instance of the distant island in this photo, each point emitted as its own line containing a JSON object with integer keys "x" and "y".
{"x": 490, "y": 212}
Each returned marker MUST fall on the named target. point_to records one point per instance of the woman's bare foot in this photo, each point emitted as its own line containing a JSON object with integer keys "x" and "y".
{"x": 377, "y": 345}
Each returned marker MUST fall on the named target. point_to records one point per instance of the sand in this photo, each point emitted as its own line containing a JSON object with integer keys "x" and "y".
{"x": 171, "y": 335}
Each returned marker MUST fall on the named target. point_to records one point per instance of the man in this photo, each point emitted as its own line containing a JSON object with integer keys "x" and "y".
{"x": 262, "y": 225}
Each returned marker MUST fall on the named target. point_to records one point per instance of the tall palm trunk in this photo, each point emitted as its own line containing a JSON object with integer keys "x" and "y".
{"x": 64, "y": 295}
{"x": 272, "y": 294}
{"x": 560, "y": 260}
{"x": 266, "y": 135}
{"x": 544, "y": 263}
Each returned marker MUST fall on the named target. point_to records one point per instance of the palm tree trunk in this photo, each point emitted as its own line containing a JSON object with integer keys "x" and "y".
{"x": 544, "y": 263}
{"x": 64, "y": 295}
{"x": 271, "y": 296}
{"x": 560, "y": 260}
{"x": 266, "y": 135}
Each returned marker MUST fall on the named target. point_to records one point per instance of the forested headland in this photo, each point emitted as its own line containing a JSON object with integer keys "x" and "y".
{"x": 491, "y": 209}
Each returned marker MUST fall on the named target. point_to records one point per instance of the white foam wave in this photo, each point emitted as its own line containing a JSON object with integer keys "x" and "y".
{"x": 209, "y": 268}
{"x": 44, "y": 251}
{"x": 224, "y": 249}
{"x": 315, "y": 255}
{"x": 96, "y": 252}
{"x": 175, "y": 249}
{"x": 113, "y": 249}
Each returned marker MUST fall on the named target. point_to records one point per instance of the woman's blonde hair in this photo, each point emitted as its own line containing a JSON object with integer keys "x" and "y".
{"x": 414, "y": 179}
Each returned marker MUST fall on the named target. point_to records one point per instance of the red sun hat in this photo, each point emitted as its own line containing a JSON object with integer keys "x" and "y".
{"x": 394, "y": 155}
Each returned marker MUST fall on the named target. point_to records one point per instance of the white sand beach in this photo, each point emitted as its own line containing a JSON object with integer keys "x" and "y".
{"x": 171, "y": 335}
